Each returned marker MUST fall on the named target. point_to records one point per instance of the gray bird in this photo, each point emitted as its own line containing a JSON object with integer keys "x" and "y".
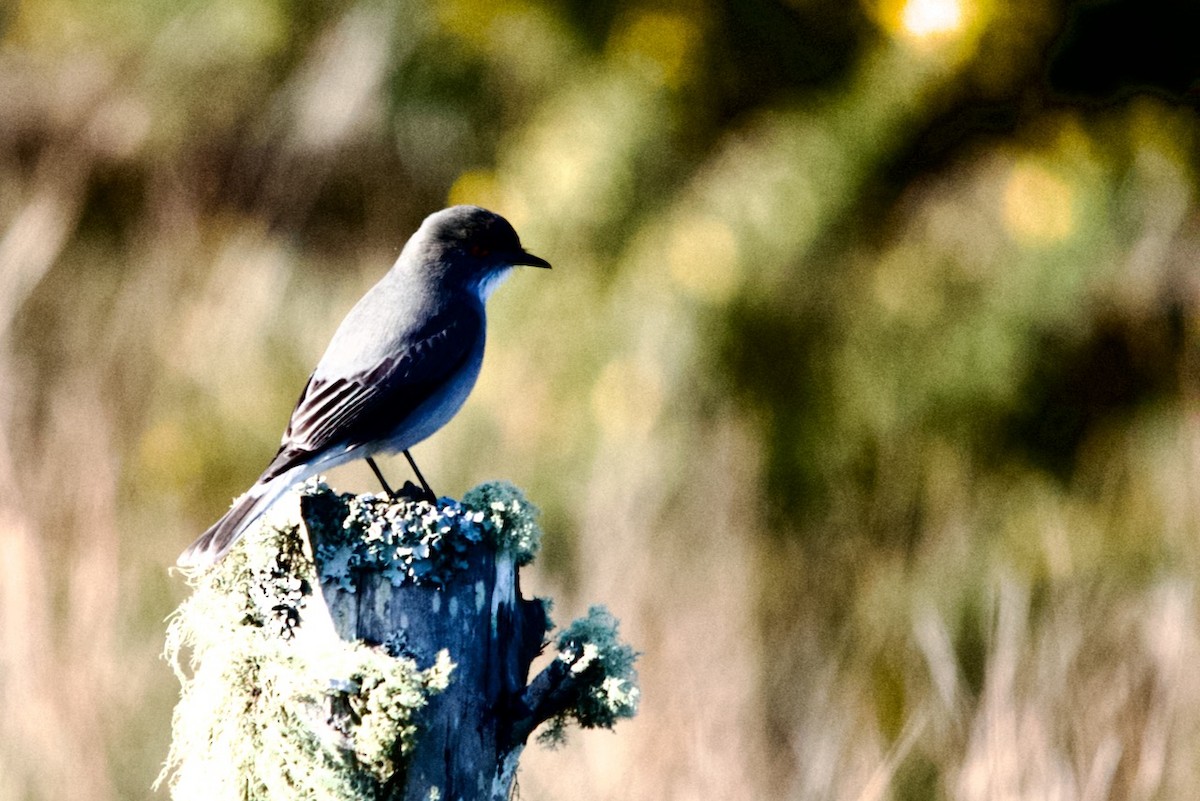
{"x": 398, "y": 368}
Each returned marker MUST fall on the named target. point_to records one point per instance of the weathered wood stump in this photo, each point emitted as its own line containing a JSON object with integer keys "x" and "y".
{"x": 371, "y": 649}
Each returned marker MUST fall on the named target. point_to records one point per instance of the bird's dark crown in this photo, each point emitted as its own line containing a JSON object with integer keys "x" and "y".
{"x": 473, "y": 230}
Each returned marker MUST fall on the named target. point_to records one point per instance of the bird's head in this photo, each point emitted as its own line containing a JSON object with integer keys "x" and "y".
{"x": 473, "y": 246}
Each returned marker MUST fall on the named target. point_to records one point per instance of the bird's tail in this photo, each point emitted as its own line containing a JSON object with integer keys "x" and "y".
{"x": 216, "y": 542}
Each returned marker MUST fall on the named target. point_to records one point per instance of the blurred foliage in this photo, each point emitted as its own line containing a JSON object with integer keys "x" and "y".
{"x": 864, "y": 390}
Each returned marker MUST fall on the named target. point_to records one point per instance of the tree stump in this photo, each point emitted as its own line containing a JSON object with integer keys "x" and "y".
{"x": 366, "y": 648}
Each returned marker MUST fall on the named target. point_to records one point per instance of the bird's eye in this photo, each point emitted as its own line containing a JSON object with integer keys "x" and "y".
{"x": 479, "y": 252}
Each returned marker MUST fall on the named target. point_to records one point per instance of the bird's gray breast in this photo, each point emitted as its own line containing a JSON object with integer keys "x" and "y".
{"x": 419, "y": 339}
{"x": 441, "y": 405}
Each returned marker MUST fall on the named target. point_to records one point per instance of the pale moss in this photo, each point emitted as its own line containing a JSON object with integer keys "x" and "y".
{"x": 274, "y": 710}
{"x": 279, "y": 710}
{"x": 606, "y": 687}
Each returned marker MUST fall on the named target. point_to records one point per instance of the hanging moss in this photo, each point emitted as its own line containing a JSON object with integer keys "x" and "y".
{"x": 278, "y": 706}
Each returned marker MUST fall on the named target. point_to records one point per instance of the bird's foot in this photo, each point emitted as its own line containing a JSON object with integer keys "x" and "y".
{"x": 413, "y": 492}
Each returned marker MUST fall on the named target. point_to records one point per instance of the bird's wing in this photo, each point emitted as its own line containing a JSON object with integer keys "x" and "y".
{"x": 353, "y": 409}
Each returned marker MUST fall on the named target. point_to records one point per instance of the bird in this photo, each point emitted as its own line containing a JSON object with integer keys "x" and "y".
{"x": 398, "y": 368}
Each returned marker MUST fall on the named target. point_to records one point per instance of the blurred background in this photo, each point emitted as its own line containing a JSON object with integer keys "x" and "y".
{"x": 865, "y": 390}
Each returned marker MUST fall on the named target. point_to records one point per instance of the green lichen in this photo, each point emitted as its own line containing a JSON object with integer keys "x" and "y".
{"x": 416, "y": 542}
{"x": 509, "y": 519}
{"x": 605, "y": 687}
{"x": 277, "y": 709}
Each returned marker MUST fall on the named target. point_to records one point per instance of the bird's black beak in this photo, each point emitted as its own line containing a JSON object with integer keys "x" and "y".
{"x": 530, "y": 260}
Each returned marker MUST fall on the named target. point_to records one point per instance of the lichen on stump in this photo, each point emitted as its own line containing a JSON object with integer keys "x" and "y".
{"x": 403, "y": 677}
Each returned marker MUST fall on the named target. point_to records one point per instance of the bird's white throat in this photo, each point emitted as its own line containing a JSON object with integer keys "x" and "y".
{"x": 490, "y": 282}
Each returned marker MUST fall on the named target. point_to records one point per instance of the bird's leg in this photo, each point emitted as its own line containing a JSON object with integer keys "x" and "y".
{"x": 430, "y": 495}
{"x": 379, "y": 475}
